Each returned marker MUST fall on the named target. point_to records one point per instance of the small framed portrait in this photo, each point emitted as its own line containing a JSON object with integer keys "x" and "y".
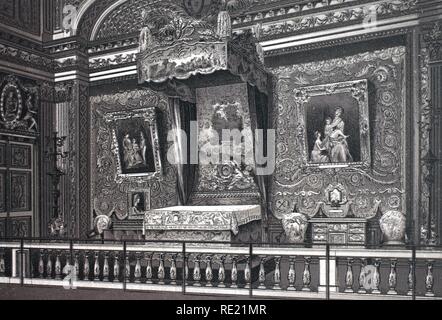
{"x": 335, "y": 118}
{"x": 138, "y": 203}
{"x": 135, "y": 143}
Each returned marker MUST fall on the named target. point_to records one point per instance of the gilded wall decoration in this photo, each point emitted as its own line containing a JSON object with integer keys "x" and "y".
{"x": 21, "y": 198}
{"x": 19, "y": 105}
{"x": 434, "y": 41}
{"x": 109, "y": 195}
{"x": 383, "y": 180}
{"x": 20, "y": 227}
{"x": 21, "y": 156}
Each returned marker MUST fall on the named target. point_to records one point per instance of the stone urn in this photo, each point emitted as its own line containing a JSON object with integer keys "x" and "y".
{"x": 392, "y": 225}
{"x": 295, "y": 227}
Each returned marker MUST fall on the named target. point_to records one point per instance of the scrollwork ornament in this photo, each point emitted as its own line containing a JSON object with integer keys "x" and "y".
{"x": 434, "y": 41}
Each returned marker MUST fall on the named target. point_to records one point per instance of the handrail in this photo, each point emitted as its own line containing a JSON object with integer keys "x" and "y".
{"x": 393, "y": 247}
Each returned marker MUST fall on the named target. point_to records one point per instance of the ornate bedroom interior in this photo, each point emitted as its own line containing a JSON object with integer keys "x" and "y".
{"x": 108, "y": 107}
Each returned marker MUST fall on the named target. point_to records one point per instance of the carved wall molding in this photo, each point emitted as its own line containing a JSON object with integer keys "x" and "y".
{"x": 57, "y": 92}
{"x": 26, "y": 58}
{"x": 117, "y": 59}
{"x": 293, "y": 183}
{"x": 338, "y": 42}
{"x": 302, "y": 23}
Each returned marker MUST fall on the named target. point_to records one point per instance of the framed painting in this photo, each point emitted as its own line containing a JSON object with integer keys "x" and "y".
{"x": 135, "y": 144}
{"x": 335, "y": 120}
{"x": 138, "y": 202}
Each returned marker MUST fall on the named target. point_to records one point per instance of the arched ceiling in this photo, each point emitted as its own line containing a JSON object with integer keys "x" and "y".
{"x": 88, "y": 19}
{"x": 124, "y": 19}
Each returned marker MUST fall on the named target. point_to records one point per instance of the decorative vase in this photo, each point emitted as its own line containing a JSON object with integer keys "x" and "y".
{"x": 295, "y": 227}
{"x": 392, "y": 225}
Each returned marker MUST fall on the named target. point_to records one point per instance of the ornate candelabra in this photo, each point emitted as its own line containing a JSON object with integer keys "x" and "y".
{"x": 54, "y": 154}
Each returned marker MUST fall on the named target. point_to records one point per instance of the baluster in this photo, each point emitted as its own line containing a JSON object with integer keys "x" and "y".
{"x": 2, "y": 263}
{"x": 248, "y": 274}
{"x": 262, "y": 274}
{"x": 221, "y": 273}
{"x": 86, "y": 267}
{"x": 392, "y": 278}
{"x": 58, "y": 267}
{"x": 306, "y": 276}
{"x": 186, "y": 268}
{"x": 137, "y": 272}
{"x": 410, "y": 279}
{"x": 362, "y": 289}
{"x": 292, "y": 275}
{"x": 429, "y": 280}
{"x": 376, "y": 277}
{"x": 349, "y": 277}
{"x": 76, "y": 273}
{"x": 173, "y": 270}
{"x": 277, "y": 274}
{"x": 161, "y": 271}
{"x": 97, "y": 266}
{"x": 127, "y": 268}
{"x": 41, "y": 265}
{"x": 209, "y": 272}
{"x": 106, "y": 267}
{"x": 234, "y": 275}
{"x": 196, "y": 272}
{"x": 67, "y": 270}
{"x": 49, "y": 266}
{"x": 116, "y": 267}
{"x": 149, "y": 273}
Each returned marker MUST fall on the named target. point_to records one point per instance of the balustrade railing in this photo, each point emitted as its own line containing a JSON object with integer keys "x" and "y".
{"x": 257, "y": 270}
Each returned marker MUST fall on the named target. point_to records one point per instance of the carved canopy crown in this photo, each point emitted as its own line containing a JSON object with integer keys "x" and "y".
{"x": 183, "y": 39}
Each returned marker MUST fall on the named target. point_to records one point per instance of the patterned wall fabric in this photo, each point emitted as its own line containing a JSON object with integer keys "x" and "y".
{"x": 293, "y": 183}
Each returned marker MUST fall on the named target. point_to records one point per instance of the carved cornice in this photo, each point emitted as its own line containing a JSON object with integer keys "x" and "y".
{"x": 57, "y": 93}
{"x": 41, "y": 61}
{"x": 25, "y": 58}
{"x": 303, "y": 23}
{"x": 118, "y": 59}
{"x": 337, "y": 42}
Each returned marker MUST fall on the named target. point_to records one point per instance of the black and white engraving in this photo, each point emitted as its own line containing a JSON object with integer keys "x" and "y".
{"x": 220, "y": 149}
